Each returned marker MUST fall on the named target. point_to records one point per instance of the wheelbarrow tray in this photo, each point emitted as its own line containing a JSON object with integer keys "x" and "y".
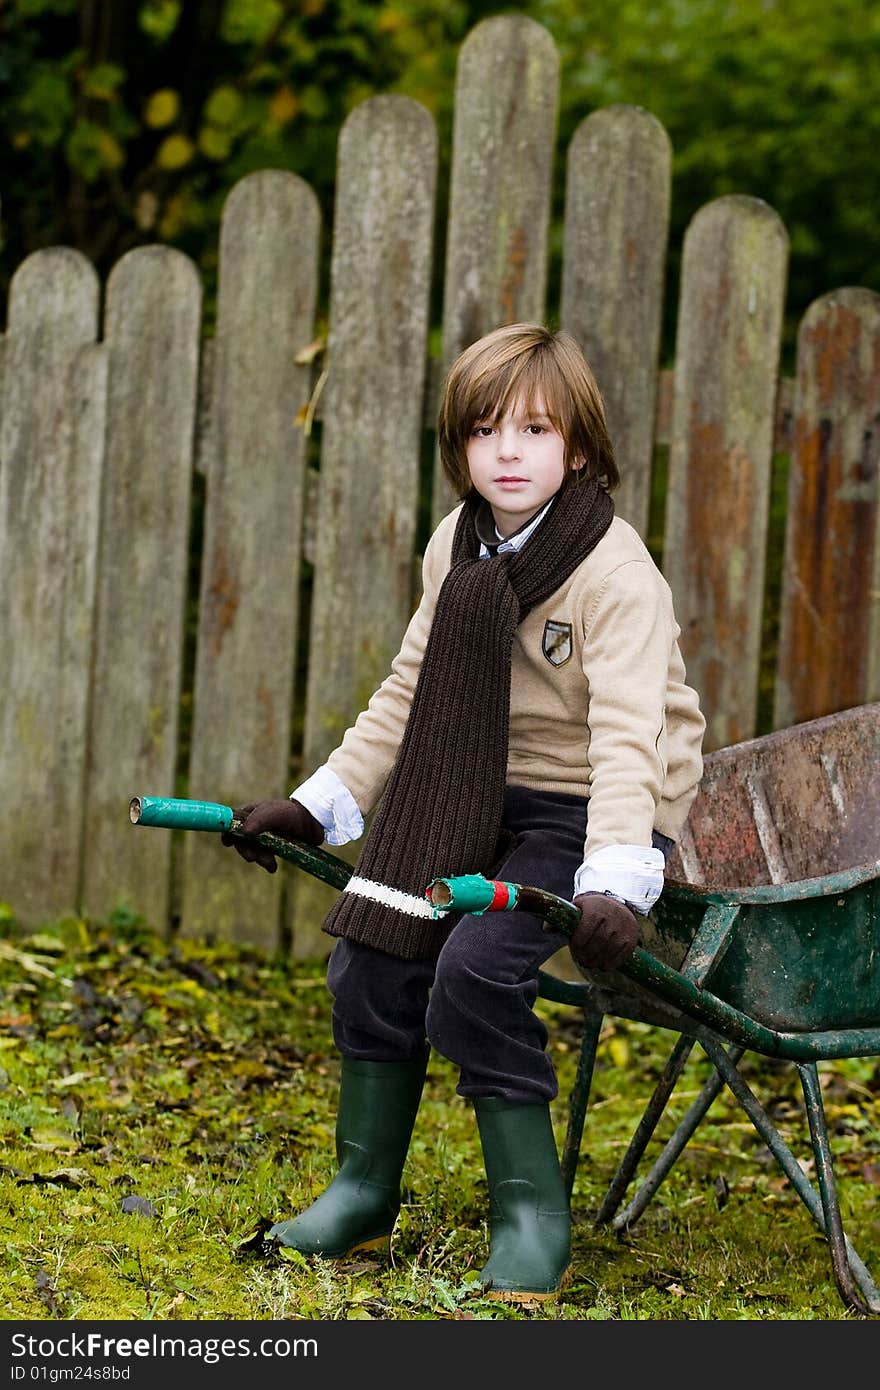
{"x": 783, "y": 842}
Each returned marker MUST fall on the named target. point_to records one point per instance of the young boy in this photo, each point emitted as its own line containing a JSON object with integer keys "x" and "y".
{"x": 536, "y": 726}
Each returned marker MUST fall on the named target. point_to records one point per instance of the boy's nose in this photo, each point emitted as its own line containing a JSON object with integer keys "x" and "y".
{"x": 508, "y": 444}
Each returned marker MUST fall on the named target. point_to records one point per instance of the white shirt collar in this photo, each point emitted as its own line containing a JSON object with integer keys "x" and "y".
{"x": 518, "y": 540}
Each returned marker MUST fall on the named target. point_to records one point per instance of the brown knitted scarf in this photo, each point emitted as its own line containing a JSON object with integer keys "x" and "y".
{"x": 440, "y": 813}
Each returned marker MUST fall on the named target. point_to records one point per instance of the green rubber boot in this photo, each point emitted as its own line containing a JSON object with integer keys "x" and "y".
{"x": 529, "y": 1217}
{"x": 378, "y": 1102}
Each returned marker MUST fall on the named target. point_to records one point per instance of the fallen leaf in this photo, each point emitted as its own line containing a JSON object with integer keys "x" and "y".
{"x": 71, "y": 1109}
{"x": 46, "y": 945}
{"x": 254, "y": 1240}
{"x": 51, "y": 1140}
{"x": 76, "y": 1078}
{"x": 78, "y": 1211}
{"x": 47, "y": 1293}
{"x": 308, "y": 353}
{"x": 64, "y": 1177}
{"x": 138, "y": 1206}
{"x": 25, "y": 961}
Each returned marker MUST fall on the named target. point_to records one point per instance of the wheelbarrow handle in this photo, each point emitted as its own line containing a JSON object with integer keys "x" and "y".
{"x": 473, "y": 894}
{"x": 179, "y": 813}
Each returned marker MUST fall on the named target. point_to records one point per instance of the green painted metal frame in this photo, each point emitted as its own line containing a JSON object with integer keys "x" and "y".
{"x": 648, "y": 989}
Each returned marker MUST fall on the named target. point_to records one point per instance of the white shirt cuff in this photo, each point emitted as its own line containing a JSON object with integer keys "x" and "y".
{"x": 631, "y": 873}
{"x": 331, "y": 803}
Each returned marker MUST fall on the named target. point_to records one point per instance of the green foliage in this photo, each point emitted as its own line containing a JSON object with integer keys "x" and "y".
{"x": 137, "y": 129}
{"x": 202, "y": 1082}
{"x": 774, "y": 98}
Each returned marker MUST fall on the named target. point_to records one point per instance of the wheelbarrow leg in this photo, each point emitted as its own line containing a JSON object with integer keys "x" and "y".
{"x": 706, "y": 950}
{"x": 847, "y": 1265}
{"x": 580, "y": 1096}
{"x": 646, "y": 1126}
{"x": 833, "y": 1225}
{"x": 674, "y": 1146}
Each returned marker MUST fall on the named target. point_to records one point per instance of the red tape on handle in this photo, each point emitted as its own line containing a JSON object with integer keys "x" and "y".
{"x": 502, "y": 896}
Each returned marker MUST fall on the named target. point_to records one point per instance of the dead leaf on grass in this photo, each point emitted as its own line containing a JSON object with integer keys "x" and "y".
{"x": 253, "y": 1242}
{"x": 63, "y": 1177}
{"x": 51, "y": 1140}
{"x": 76, "y": 1078}
{"x": 137, "y": 1206}
{"x": 48, "y": 1295}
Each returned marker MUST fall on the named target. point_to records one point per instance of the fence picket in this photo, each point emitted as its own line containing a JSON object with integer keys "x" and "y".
{"x": 51, "y": 447}
{"x": 727, "y": 360}
{"x": 372, "y": 435}
{"x": 249, "y": 602}
{"x": 506, "y": 97}
{"x": 829, "y": 642}
{"x": 152, "y": 324}
{"x": 616, "y": 232}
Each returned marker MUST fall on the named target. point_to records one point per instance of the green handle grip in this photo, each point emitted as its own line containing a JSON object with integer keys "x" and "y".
{"x": 172, "y": 813}
{"x": 475, "y": 894}
{"x": 472, "y": 893}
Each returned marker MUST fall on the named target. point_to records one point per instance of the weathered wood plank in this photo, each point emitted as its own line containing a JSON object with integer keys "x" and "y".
{"x": 504, "y": 135}
{"x": 51, "y": 449}
{"x": 152, "y": 336}
{"x": 829, "y": 642}
{"x": 727, "y": 362}
{"x": 372, "y": 436}
{"x": 249, "y": 602}
{"x": 616, "y": 232}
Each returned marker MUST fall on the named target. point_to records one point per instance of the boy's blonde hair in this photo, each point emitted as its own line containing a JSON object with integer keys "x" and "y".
{"x": 515, "y": 365}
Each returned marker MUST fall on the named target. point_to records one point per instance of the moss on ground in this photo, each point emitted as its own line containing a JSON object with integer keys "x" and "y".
{"x": 162, "y": 1104}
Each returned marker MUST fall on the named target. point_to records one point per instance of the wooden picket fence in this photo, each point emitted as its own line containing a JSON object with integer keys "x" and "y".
{"x": 113, "y": 402}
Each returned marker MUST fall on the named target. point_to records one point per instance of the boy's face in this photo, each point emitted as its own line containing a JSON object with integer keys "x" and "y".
{"x": 516, "y": 463}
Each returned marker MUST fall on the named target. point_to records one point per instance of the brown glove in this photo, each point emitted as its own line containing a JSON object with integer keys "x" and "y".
{"x": 287, "y": 819}
{"x": 607, "y": 933}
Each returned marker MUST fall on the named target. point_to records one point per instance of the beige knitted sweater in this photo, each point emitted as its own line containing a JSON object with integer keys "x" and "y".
{"x": 610, "y": 716}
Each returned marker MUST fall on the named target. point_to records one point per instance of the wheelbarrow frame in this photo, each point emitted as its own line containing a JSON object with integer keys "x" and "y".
{"x": 680, "y": 1000}
{"x": 645, "y": 988}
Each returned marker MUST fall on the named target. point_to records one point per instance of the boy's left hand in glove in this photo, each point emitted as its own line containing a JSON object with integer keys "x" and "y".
{"x": 607, "y": 933}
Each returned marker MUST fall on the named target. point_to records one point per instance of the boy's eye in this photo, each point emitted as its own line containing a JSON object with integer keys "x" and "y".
{"x": 536, "y": 429}
{"x": 482, "y": 431}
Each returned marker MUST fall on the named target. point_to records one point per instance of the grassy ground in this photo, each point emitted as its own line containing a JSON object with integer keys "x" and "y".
{"x": 161, "y": 1105}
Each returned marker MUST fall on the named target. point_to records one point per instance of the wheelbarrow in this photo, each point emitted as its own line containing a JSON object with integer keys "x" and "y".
{"x": 766, "y": 939}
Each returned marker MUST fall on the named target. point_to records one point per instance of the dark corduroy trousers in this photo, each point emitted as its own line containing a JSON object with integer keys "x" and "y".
{"x": 475, "y": 1003}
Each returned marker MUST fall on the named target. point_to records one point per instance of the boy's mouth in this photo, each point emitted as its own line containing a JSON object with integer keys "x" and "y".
{"x": 511, "y": 478}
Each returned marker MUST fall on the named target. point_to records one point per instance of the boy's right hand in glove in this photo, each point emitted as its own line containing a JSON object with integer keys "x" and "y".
{"x": 287, "y": 819}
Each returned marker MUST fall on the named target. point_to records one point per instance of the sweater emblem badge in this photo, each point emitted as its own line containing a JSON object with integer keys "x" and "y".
{"x": 556, "y": 642}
